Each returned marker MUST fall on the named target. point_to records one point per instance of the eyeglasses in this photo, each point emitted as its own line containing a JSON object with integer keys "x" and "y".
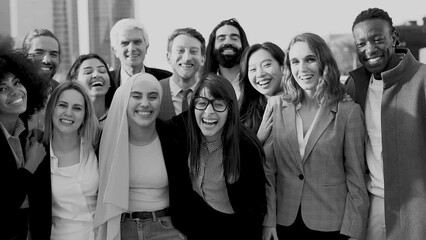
{"x": 219, "y": 105}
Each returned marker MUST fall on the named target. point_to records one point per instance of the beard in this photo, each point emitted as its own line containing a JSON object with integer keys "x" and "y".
{"x": 228, "y": 61}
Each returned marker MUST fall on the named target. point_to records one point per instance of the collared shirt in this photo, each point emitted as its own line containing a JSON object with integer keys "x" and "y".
{"x": 124, "y": 76}
{"x": 177, "y": 95}
{"x": 210, "y": 183}
{"x": 15, "y": 142}
{"x": 373, "y": 147}
{"x": 303, "y": 140}
{"x": 235, "y": 84}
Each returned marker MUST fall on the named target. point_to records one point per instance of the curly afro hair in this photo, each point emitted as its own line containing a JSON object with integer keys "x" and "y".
{"x": 15, "y": 62}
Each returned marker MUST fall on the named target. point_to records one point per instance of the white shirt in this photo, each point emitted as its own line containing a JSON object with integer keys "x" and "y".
{"x": 148, "y": 180}
{"x": 303, "y": 140}
{"x": 74, "y": 194}
{"x": 124, "y": 76}
{"x": 373, "y": 146}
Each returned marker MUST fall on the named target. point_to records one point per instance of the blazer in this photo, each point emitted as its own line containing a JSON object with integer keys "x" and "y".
{"x": 403, "y": 117}
{"x": 167, "y": 110}
{"x": 157, "y": 73}
{"x": 247, "y": 195}
{"x": 16, "y": 184}
{"x": 328, "y": 183}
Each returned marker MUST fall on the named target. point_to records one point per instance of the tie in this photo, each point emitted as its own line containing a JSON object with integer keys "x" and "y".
{"x": 185, "y": 99}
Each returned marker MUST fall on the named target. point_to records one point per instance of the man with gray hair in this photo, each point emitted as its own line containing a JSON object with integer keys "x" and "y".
{"x": 129, "y": 42}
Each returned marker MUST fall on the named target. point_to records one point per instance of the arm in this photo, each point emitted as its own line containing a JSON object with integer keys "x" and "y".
{"x": 357, "y": 201}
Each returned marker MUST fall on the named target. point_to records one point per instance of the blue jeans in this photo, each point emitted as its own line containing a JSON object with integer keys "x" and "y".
{"x": 150, "y": 229}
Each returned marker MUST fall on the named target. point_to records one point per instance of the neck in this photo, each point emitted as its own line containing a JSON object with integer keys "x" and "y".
{"x": 132, "y": 70}
{"x": 142, "y": 136}
{"x": 184, "y": 83}
{"x": 99, "y": 105}
{"x": 65, "y": 142}
{"x": 9, "y": 122}
{"x": 229, "y": 73}
{"x": 309, "y": 100}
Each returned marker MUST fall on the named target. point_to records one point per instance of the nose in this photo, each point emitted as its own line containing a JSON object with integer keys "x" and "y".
{"x": 95, "y": 74}
{"x": 303, "y": 66}
{"x": 260, "y": 72}
{"x": 46, "y": 58}
{"x": 186, "y": 56}
{"x": 68, "y": 111}
{"x": 131, "y": 46}
{"x": 370, "y": 47}
{"x": 209, "y": 108}
{"x": 144, "y": 101}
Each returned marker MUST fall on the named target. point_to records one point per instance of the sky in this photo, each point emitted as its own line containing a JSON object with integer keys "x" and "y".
{"x": 276, "y": 21}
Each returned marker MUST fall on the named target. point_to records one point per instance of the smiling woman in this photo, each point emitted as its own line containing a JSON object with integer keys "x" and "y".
{"x": 91, "y": 71}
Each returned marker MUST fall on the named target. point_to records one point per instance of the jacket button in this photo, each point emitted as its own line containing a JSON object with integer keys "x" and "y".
{"x": 301, "y": 177}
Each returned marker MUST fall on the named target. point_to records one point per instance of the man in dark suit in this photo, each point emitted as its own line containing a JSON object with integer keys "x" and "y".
{"x": 186, "y": 49}
{"x": 129, "y": 42}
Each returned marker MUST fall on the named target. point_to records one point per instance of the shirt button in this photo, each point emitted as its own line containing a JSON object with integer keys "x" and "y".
{"x": 301, "y": 177}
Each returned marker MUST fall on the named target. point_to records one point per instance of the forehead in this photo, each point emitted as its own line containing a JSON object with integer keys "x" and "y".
{"x": 260, "y": 55}
{"x": 45, "y": 43}
{"x": 72, "y": 96}
{"x": 144, "y": 86}
{"x": 186, "y": 40}
{"x": 92, "y": 62}
{"x": 300, "y": 49}
{"x": 227, "y": 30}
{"x": 130, "y": 34}
{"x": 7, "y": 77}
{"x": 371, "y": 26}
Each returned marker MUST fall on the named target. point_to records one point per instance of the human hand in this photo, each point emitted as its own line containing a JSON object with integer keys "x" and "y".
{"x": 266, "y": 125}
{"x": 347, "y": 98}
{"x": 35, "y": 152}
{"x": 269, "y": 233}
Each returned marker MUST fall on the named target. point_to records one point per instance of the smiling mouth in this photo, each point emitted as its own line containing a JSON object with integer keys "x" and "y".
{"x": 305, "y": 77}
{"x": 186, "y": 66}
{"x": 373, "y": 60}
{"x": 209, "y": 122}
{"x": 66, "y": 121}
{"x": 143, "y": 114}
{"x": 46, "y": 68}
{"x": 264, "y": 82}
{"x": 97, "y": 83}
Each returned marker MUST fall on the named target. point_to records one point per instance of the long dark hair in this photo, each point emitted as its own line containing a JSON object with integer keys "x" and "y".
{"x": 253, "y": 103}
{"x": 75, "y": 68}
{"x": 211, "y": 65}
{"x": 218, "y": 87}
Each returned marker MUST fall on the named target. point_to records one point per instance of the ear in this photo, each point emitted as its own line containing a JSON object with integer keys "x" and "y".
{"x": 395, "y": 37}
{"x": 168, "y": 57}
{"x": 203, "y": 60}
{"x": 115, "y": 52}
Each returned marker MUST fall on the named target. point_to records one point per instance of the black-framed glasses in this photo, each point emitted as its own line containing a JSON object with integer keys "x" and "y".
{"x": 219, "y": 105}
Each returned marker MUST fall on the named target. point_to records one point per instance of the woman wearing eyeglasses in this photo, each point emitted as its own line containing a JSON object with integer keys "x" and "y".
{"x": 222, "y": 192}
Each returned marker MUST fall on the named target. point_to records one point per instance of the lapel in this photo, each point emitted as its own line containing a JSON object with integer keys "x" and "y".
{"x": 289, "y": 117}
{"x": 325, "y": 117}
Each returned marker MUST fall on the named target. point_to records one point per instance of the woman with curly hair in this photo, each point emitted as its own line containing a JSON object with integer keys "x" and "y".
{"x": 25, "y": 171}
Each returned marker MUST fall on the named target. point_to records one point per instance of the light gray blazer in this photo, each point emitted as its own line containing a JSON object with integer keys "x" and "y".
{"x": 328, "y": 184}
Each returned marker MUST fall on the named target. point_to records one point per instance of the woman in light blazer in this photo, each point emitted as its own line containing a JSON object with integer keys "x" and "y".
{"x": 315, "y": 154}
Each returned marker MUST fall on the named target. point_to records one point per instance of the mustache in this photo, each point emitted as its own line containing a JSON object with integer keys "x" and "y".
{"x": 228, "y": 46}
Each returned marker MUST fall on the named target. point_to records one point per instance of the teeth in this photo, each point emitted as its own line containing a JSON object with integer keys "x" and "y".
{"x": 45, "y": 68}
{"x": 143, "y": 113}
{"x": 210, "y": 121}
{"x": 228, "y": 51}
{"x": 305, "y": 77}
{"x": 97, "y": 84}
{"x": 18, "y": 101}
{"x": 186, "y": 65}
{"x": 67, "y": 121}
{"x": 264, "y": 82}
{"x": 373, "y": 60}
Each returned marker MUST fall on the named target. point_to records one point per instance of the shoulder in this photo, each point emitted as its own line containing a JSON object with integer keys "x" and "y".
{"x": 164, "y": 82}
{"x": 348, "y": 109}
{"x": 158, "y": 73}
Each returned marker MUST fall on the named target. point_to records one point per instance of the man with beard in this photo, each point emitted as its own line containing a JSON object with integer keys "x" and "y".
{"x": 43, "y": 48}
{"x": 186, "y": 49}
{"x": 390, "y": 86}
{"x": 129, "y": 42}
{"x": 225, "y": 47}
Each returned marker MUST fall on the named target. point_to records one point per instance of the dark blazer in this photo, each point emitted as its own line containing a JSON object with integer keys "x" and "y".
{"x": 191, "y": 214}
{"x": 16, "y": 184}
{"x": 167, "y": 110}
{"x": 157, "y": 73}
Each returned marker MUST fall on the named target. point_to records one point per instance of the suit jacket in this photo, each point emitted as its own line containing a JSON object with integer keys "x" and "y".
{"x": 247, "y": 195}
{"x": 16, "y": 184}
{"x": 328, "y": 183}
{"x": 157, "y": 73}
{"x": 167, "y": 110}
{"x": 403, "y": 118}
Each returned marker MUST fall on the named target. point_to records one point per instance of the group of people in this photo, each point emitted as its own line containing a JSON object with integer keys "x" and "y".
{"x": 239, "y": 141}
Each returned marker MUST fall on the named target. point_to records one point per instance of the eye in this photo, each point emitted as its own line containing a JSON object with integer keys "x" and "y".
{"x": 77, "y": 108}
{"x": 17, "y": 82}
{"x": 124, "y": 43}
{"x": 311, "y": 60}
{"x": 54, "y": 55}
{"x": 294, "y": 61}
{"x": 102, "y": 70}
{"x": 360, "y": 45}
{"x": 220, "y": 38}
{"x": 266, "y": 65}
{"x": 194, "y": 52}
{"x": 252, "y": 70}
{"x": 2, "y": 89}
{"x": 136, "y": 96}
{"x": 88, "y": 71}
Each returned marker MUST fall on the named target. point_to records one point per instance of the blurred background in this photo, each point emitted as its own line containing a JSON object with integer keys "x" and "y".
{"x": 83, "y": 26}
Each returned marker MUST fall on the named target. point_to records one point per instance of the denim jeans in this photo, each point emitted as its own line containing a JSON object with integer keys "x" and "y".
{"x": 150, "y": 229}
